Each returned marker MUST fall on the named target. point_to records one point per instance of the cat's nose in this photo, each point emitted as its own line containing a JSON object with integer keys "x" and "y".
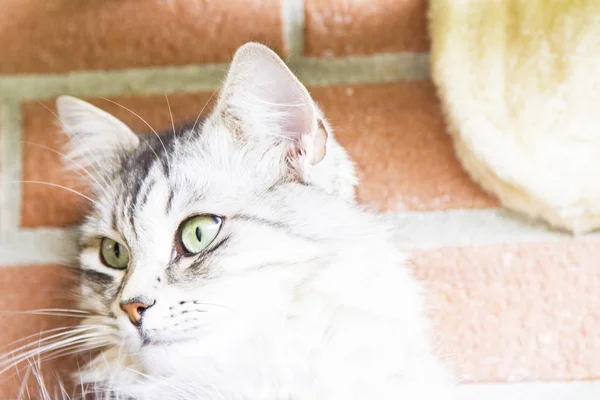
{"x": 135, "y": 308}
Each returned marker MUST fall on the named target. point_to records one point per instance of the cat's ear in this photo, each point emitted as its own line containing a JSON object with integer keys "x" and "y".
{"x": 96, "y": 137}
{"x": 263, "y": 100}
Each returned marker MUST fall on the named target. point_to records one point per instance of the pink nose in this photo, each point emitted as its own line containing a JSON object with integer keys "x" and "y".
{"x": 135, "y": 310}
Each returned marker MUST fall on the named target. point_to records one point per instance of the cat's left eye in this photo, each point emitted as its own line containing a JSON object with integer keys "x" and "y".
{"x": 198, "y": 232}
{"x": 114, "y": 254}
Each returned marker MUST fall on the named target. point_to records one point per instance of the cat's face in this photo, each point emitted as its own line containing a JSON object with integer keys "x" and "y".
{"x": 186, "y": 229}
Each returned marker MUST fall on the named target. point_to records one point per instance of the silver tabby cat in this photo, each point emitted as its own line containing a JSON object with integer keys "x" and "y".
{"x": 228, "y": 260}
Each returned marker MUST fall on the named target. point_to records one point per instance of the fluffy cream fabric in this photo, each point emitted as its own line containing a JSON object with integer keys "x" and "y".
{"x": 519, "y": 82}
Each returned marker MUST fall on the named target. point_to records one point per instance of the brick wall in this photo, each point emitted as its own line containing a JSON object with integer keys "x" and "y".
{"x": 513, "y": 301}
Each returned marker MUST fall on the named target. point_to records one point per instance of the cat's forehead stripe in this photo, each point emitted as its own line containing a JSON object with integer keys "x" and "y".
{"x": 137, "y": 169}
{"x": 170, "y": 201}
{"x": 147, "y": 191}
{"x": 139, "y": 178}
{"x": 114, "y": 222}
{"x": 157, "y": 149}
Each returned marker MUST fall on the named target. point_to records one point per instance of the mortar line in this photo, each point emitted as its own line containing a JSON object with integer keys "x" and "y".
{"x": 356, "y": 70}
{"x": 469, "y": 227}
{"x": 293, "y": 27}
{"x": 38, "y": 246}
{"x": 372, "y": 69}
{"x": 11, "y": 158}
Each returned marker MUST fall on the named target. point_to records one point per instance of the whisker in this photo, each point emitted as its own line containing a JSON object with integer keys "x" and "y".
{"x": 43, "y": 310}
{"x": 209, "y": 304}
{"x": 23, "y": 339}
{"x": 61, "y": 386}
{"x": 50, "y": 314}
{"x": 80, "y": 348}
{"x": 83, "y": 392}
{"x": 140, "y": 373}
{"x": 37, "y": 374}
{"x": 171, "y": 116}
{"x": 200, "y": 113}
{"x": 79, "y": 165}
{"x": 76, "y": 347}
{"x": 24, "y": 388}
{"x": 69, "y": 341}
{"x": 187, "y": 303}
{"x": 58, "y": 186}
{"x": 258, "y": 99}
{"x": 72, "y": 332}
{"x": 72, "y": 135}
{"x": 147, "y": 124}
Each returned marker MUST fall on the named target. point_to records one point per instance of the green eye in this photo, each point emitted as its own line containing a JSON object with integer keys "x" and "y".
{"x": 199, "y": 232}
{"x": 114, "y": 254}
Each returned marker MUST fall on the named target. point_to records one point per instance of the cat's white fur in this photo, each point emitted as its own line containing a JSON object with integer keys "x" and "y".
{"x": 316, "y": 303}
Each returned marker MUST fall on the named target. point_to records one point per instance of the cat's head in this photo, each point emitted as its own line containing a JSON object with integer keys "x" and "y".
{"x": 194, "y": 227}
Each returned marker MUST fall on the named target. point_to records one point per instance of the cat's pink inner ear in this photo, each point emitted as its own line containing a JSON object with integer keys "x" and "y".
{"x": 265, "y": 98}
{"x": 297, "y": 115}
{"x": 319, "y": 144}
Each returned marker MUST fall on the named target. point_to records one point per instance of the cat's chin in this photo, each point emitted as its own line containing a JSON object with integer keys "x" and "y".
{"x": 165, "y": 357}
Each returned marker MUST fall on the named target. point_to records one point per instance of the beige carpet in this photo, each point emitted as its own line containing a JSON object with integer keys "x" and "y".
{"x": 520, "y": 84}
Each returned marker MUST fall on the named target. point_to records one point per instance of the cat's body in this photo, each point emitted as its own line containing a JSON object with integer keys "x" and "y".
{"x": 300, "y": 294}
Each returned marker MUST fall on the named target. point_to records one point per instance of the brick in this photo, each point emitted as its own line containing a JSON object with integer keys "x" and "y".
{"x": 43, "y": 205}
{"x": 396, "y": 135}
{"x": 517, "y": 311}
{"x": 62, "y": 35}
{"x": 348, "y": 27}
{"x": 27, "y": 288}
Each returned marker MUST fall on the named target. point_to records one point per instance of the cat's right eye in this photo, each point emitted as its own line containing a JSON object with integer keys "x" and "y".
{"x": 198, "y": 232}
{"x": 114, "y": 254}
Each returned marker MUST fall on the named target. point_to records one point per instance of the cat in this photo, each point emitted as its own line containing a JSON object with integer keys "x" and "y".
{"x": 230, "y": 260}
